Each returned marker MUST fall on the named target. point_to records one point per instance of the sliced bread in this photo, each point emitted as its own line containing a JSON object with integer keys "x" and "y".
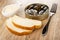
{"x": 15, "y": 30}
{"x": 26, "y": 23}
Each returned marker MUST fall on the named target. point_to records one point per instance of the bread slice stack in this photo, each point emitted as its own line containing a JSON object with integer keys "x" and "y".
{"x": 22, "y": 26}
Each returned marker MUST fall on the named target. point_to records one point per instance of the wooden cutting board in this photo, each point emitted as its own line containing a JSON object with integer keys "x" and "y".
{"x": 52, "y": 34}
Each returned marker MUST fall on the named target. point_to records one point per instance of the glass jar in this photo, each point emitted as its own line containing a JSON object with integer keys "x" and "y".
{"x": 37, "y": 11}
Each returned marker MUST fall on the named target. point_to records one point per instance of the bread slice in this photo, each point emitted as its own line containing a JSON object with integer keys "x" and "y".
{"x": 26, "y": 23}
{"x": 15, "y": 30}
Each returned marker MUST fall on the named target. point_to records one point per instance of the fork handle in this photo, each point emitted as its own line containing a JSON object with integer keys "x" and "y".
{"x": 45, "y": 29}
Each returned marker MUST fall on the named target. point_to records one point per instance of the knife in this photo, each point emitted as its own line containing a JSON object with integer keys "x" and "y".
{"x": 52, "y": 12}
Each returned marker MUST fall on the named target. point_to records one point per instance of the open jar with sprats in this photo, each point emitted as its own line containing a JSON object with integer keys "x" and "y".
{"x": 37, "y": 11}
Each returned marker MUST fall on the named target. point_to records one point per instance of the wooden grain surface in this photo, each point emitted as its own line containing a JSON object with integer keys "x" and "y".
{"x": 52, "y": 34}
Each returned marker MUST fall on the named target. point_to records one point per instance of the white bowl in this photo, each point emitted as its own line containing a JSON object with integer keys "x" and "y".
{"x": 10, "y": 10}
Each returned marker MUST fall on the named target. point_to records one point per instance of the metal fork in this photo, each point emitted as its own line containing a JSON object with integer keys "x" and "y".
{"x": 52, "y": 12}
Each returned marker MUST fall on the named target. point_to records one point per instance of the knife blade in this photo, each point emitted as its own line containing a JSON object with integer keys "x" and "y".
{"x": 52, "y": 12}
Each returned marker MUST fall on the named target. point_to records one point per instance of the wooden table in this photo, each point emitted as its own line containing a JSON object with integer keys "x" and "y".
{"x": 53, "y": 31}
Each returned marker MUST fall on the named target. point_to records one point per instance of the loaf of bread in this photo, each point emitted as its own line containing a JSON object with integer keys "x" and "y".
{"x": 26, "y": 23}
{"x": 22, "y": 26}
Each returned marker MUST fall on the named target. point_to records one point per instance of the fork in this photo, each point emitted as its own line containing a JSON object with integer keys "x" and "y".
{"x": 52, "y": 12}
